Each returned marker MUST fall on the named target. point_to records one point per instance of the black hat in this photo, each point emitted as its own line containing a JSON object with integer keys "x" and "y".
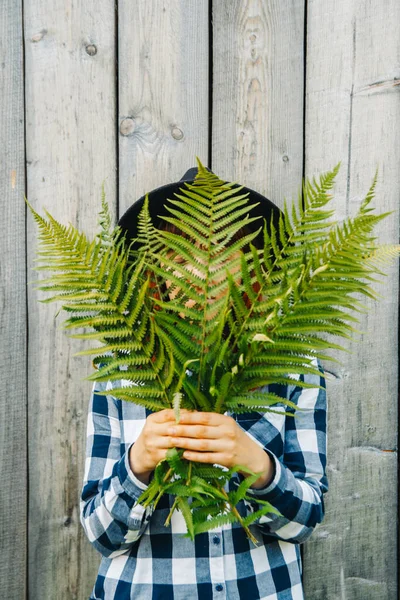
{"x": 157, "y": 208}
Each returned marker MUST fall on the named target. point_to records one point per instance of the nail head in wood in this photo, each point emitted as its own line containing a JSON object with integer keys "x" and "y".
{"x": 91, "y": 49}
{"x": 177, "y": 133}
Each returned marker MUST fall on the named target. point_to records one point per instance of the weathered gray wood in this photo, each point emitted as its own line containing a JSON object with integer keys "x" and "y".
{"x": 352, "y": 115}
{"x": 13, "y": 444}
{"x": 258, "y": 95}
{"x": 163, "y": 93}
{"x": 70, "y": 114}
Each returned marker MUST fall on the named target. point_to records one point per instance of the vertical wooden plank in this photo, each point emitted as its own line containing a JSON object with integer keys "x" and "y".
{"x": 258, "y": 95}
{"x": 352, "y": 114}
{"x": 13, "y": 445}
{"x": 258, "y": 92}
{"x": 163, "y": 92}
{"x": 70, "y": 112}
{"x": 257, "y": 108}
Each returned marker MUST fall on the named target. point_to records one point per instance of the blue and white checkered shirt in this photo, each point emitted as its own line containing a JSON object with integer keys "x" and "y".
{"x": 142, "y": 559}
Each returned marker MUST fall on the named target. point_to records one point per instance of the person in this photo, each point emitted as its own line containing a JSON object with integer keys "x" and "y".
{"x": 143, "y": 558}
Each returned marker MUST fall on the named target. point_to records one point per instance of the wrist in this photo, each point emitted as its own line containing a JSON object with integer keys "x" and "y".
{"x": 266, "y": 468}
{"x": 140, "y": 470}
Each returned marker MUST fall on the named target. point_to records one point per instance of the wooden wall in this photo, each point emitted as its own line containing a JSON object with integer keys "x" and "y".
{"x": 13, "y": 347}
{"x": 262, "y": 91}
{"x": 353, "y": 115}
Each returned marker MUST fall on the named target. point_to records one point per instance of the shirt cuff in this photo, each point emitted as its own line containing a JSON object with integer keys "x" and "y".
{"x": 278, "y": 484}
{"x": 131, "y": 484}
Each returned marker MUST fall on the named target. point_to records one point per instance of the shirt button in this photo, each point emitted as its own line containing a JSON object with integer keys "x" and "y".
{"x": 216, "y": 540}
{"x": 219, "y": 587}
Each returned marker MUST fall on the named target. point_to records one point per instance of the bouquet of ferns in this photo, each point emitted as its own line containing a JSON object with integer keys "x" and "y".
{"x": 178, "y": 330}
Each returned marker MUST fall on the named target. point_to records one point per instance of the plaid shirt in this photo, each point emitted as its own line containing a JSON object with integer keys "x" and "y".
{"x": 142, "y": 559}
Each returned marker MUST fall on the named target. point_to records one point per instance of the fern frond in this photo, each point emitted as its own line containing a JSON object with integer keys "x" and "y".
{"x": 301, "y": 228}
{"x": 382, "y": 255}
{"x": 148, "y": 236}
{"x": 184, "y": 507}
{"x": 209, "y": 472}
{"x": 122, "y": 394}
{"x": 247, "y": 321}
{"x": 219, "y": 521}
{"x": 240, "y": 493}
{"x": 117, "y": 284}
{"x": 104, "y": 220}
{"x": 254, "y": 516}
{"x": 179, "y": 465}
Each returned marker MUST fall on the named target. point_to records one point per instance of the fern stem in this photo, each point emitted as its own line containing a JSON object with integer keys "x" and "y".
{"x": 167, "y": 475}
{"x": 161, "y": 492}
{"x": 238, "y": 517}
{"x": 158, "y": 498}
{"x": 204, "y": 320}
{"x": 189, "y": 478}
{"x": 168, "y": 519}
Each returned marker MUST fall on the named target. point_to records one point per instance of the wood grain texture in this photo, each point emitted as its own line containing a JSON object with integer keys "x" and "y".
{"x": 139, "y": 122}
{"x": 163, "y": 93}
{"x": 258, "y": 95}
{"x": 70, "y": 114}
{"x": 352, "y": 115}
{"x": 13, "y": 445}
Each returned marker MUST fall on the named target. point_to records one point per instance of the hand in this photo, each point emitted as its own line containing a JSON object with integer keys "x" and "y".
{"x": 152, "y": 444}
{"x": 214, "y": 438}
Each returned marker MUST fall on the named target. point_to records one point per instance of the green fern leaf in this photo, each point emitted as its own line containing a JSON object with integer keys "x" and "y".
{"x": 184, "y": 507}
{"x": 244, "y": 318}
{"x": 219, "y": 521}
{"x": 256, "y": 515}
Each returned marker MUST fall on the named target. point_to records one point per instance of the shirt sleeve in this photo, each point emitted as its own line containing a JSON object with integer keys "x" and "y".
{"x": 110, "y": 514}
{"x": 300, "y": 480}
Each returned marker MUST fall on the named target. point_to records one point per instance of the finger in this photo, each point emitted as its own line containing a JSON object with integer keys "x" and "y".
{"x": 192, "y": 431}
{"x": 200, "y": 445}
{"x": 165, "y": 415}
{"x": 162, "y": 416}
{"x": 161, "y": 442}
{"x": 202, "y": 418}
{"x": 211, "y": 458}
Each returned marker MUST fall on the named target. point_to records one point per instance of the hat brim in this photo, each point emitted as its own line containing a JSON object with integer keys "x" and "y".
{"x": 158, "y": 209}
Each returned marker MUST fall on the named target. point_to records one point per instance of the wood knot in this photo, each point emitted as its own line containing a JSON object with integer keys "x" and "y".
{"x": 127, "y": 126}
{"x": 38, "y": 36}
